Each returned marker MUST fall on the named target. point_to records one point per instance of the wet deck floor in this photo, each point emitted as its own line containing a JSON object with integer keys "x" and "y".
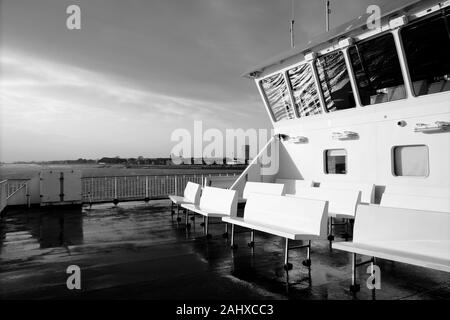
{"x": 136, "y": 251}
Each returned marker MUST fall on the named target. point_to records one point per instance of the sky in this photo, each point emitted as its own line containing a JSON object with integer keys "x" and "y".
{"x": 139, "y": 69}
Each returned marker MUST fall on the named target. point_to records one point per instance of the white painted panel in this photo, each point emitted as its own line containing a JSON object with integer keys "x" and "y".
{"x": 307, "y": 215}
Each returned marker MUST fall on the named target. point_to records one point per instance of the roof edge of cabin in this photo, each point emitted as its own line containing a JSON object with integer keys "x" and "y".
{"x": 395, "y": 7}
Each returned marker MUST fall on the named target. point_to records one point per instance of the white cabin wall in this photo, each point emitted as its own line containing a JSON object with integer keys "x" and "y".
{"x": 369, "y": 158}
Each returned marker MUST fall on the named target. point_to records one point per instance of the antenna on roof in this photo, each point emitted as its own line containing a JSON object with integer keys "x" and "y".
{"x": 327, "y": 15}
{"x": 292, "y": 24}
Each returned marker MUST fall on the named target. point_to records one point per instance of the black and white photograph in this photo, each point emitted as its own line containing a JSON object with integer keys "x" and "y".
{"x": 222, "y": 156}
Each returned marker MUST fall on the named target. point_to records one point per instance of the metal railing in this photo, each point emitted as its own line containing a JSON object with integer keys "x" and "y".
{"x": 127, "y": 188}
{"x": 116, "y": 188}
{"x": 3, "y": 194}
{"x": 13, "y": 185}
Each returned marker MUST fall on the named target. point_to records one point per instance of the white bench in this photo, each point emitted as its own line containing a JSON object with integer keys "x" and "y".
{"x": 214, "y": 203}
{"x": 415, "y": 202}
{"x": 418, "y": 191}
{"x": 290, "y": 185}
{"x": 367, "y": 189}
{"x": 415, "y": 237}
{"x": 191, "y": 195}
{"x": 225, "y": 182}
{"x": 287, "y": 217}
{"x": 342, "y": 204}
{"x": 276, "y": 189}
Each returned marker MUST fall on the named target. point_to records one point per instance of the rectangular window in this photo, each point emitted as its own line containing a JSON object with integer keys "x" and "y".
{"x": 411, "y": 160}
{"x": 377, "y": 70}
{"x": 335, "y": 81}
{"x": 427, "y": 49}
{"x": 278, "y": 97}
{"x": 304, "y": 89}
{"x": 336, "y": 161}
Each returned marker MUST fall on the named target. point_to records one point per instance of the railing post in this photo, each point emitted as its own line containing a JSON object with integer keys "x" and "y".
{"x": 176, "y": 185}
{"x": 146, "y": 187}
{"x": 27, "y": 195}
{"x": 115, "y": 190}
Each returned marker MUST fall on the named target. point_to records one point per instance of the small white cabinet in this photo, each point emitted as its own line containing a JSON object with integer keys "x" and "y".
{"x": 60, "y": 186}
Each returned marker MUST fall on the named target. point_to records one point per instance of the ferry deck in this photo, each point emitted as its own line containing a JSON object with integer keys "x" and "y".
{"x": 137, "y": 251}
{"x": 352, "y": 106}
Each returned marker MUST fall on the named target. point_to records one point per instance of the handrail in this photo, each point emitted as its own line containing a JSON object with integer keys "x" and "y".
{"x": 255, "y": 160}
{"x": 17, "y": 190}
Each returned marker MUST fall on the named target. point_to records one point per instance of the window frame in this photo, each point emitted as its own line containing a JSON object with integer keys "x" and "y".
{"x": 314, "y": 78}
{"x": 400, "y": 51}
{"x": 404, "y": 62}
{"x": 325, "y": 161}
{"x": 410, "y": 145}
{"x": 266, "y": 99}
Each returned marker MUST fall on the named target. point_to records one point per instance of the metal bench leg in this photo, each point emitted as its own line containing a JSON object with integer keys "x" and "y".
{"x": 178, "y": 213}
{"x": 347, "y": 234}
{"x": 233, "y": 246}
{"x": 188, "y": 225}
{"x": 330, "y": 230}
{"x": 287, "y": 265}
{"x": 171, "y": 209}
{"x": 225, "y": 235}
{"x": 354, "y": 286}
{"x": 208, "y": 236}
{"x": 251, "y": 244}
{"x": 307, "y": 262}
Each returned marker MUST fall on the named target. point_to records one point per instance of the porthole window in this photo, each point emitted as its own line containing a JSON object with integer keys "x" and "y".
{"x": 336, "y": 161}
{"x": 410, "y": 161}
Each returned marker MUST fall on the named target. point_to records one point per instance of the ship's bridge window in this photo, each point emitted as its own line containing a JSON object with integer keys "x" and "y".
{"x": 304, "y": 89}
{"x": 427, "y": 49}
{"x": 335, "y": 81}
{"x": 336, "y": 161}
{"x": 377, "y": 70}
{"x": 278, "y": 97}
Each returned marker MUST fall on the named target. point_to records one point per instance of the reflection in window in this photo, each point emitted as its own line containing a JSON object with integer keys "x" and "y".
{"x": 335, "y": 81}
{"x": 278, "y": 97}
{"x": 377, "y": 70}
{"x": 304, "y": 90}
{"x": 411, "y": 161}
{"x": 336, "y": 161}
{"x": 427, "y": 49}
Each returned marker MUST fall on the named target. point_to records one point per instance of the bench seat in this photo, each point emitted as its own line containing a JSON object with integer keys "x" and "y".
{"x": 429, "y": 254}
{"x": 285, "y": 232}
{"x": 262, "y": 188}
{"x": 411, "y": 236}
{"x": 178, "y": 199}
{"x": 288, "y": 217}
{"x": 202, "y": 211}
{"x": 214, "y": 203}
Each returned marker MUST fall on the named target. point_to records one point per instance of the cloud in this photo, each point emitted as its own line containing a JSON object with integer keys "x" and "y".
{"x": 74, "y": 109}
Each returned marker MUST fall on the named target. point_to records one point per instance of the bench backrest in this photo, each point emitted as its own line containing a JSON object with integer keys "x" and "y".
{"x": 418, "y": 191}
{"x": 220, "y": 181}
{"x": 384, "y": 224}
{"x": 415, "y": 202}
{"x": 290, "y": 185}
{"x": 262, "y": 187}
{"x": 306, "y": 215}
{"x": 367, "y": 189}
{"x": 218, "y": 200}
{"x": 341, "y": 201}
{"x": 225, "y": 182}
{"x": 192, "y": 192}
